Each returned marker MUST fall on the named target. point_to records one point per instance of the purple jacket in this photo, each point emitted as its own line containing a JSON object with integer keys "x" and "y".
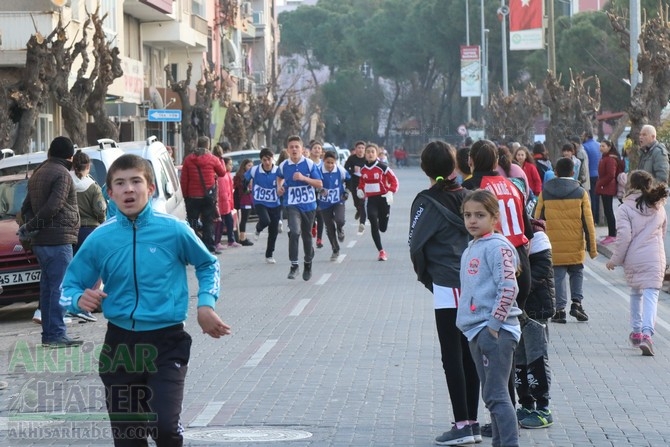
{"x": 639, "y": 243}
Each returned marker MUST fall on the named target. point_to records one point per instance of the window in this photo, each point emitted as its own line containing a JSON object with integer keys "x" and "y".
{"x": 198, "y": 8}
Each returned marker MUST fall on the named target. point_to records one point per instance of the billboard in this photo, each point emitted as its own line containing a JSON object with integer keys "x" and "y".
{"x": 471, "y": 71}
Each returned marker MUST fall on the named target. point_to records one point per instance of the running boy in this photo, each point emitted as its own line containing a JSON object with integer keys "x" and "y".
{"x": 297, "y": 178}
{"x": 141, "y": 256}
{"x": 487, "y": 312}
{"x": 332, "y": 197}
{"x": 377, "y": 185}
{"x": 264, "y": 191}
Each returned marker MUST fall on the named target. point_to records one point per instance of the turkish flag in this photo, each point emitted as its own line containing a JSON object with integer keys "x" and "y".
{"x": 525, "y": 14}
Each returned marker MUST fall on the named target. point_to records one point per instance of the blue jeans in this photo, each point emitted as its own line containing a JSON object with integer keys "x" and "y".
{"x": 576, "y": 274}
{"x": 53, "y": 260}
{"x": 493, "y": 359}
{"x": 643, "y": 308}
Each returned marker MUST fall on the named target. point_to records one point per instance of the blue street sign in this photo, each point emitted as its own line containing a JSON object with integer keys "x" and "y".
{"x": 171, "y": 116}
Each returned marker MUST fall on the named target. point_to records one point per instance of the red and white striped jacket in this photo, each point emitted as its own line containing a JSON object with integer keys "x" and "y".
{"x": 377, "y": 179}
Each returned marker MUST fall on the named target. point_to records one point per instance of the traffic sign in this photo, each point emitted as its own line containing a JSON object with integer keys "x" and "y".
{"x": 164, "y": 115}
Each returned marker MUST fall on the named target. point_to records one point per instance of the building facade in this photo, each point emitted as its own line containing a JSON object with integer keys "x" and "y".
{"x": 234, "y": 39}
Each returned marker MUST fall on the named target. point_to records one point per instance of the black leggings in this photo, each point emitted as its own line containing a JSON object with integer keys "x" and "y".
{"x": 459, "y": 368}
{"x": 609, "y": 215}
{"x": 378, "y": 211}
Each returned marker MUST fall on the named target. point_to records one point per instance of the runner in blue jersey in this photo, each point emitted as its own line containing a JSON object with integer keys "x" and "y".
{"x": 332, "y": 197}
{"x": 297, "y": 178}
{"x": 263, "y": 180}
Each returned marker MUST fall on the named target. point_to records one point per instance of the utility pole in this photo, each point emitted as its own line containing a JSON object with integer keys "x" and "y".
{"x": 503, "y": 28}
{"x": 467, "y": 42}
{"x": 485, "y": 70}
{"x": 635, "y": 29}
{"x": 551, "y": 37}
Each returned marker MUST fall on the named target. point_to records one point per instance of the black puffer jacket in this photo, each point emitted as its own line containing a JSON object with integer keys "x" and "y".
{"x": 541, "y": 302}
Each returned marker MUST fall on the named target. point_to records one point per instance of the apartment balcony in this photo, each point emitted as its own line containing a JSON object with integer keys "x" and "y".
{"x": 176, "y": 34}
{"x": 22, "y": 26}
{"x": 148, "y": 10}
{"x": 248, "y": 30}
{"x": 259, "y": 23}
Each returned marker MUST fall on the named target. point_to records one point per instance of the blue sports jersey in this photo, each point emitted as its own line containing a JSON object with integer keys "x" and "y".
{"x": 264, "y": 191}
{"x": 297, "y": 193}
{"x": 333, "y": 187}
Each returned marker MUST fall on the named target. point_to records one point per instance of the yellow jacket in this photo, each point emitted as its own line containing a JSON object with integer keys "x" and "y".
{"x": 567, "y": 210}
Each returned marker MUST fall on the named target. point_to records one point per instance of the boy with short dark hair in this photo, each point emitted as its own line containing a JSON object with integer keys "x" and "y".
{"x": 141, "y": 256}
{"x": 263, "y": 186}
{"x": 566, "y": 208}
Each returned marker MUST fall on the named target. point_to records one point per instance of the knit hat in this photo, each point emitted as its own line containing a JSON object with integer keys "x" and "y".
{"x": 61, "y": 147}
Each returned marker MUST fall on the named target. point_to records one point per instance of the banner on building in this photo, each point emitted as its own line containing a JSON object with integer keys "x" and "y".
{"x": 471, "y": 71}
{"x": 525, "y": 25}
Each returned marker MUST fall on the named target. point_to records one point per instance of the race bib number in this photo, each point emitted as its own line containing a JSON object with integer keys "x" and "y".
{"x": 264, "y": 194}
{"x": 331, "y": 196}
{"x": 372, "y": 187}
{"x": 300, "y": 194}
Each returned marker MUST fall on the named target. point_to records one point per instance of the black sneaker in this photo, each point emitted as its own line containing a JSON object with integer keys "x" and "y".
{"x": 559, "y": 317}
{"x": 456, "y": 436}
{"x": 62, "y": 343}
{"x": 487, "y": 430}
{"x": 295, "y": 269}
{"x": 246, "y": 243}
{"x": 307, "y": 272}
{"x": 577, "y": 311}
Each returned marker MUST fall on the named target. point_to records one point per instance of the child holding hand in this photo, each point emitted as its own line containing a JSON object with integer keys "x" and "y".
{"x": 487, "y": 311}
{"x": 640, "y": 226}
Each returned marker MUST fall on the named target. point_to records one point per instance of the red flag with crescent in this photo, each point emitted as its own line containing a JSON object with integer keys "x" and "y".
{"x": 525, "y": 14}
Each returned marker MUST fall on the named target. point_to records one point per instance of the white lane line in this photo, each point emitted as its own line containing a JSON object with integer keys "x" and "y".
{"x": 207, "y": 414}
{"x": 625, "y": 296}
{"x": 297, "y": 310}
{"x": 340, "y": 258}
{"x": 351, "y": 244}
{"x": 323, "y": 279}
{"x": 260, "y": 353}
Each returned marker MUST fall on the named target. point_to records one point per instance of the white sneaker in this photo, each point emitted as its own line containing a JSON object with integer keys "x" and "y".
{"x": 37, "y": 316}
{"x": 281, "y": 227}
{"x": 67, "y": 320}
{"x": 361, "y": 228}
{"x": 256, "y": 235}
{"x": 270, "y": 260}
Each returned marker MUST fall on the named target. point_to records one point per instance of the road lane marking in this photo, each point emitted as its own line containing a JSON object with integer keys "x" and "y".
{"x": 323, "y": 279}
{"x": 260, "y": 353}
{"x": 340, "y": 258}
{"x": 297, "y": 310}
{"x": 625, "y": 296}
{"x": 351, "y": 244}
{"x": 207, "y": 414}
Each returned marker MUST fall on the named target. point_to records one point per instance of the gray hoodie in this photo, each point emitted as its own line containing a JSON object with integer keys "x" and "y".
{"x": 489, "y": 287}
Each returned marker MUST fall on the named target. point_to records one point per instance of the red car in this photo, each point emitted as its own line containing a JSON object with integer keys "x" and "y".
{"x": 19, "y": 271}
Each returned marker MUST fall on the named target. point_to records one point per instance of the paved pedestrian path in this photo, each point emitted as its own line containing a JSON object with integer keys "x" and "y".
{"x": 349, "y": 358}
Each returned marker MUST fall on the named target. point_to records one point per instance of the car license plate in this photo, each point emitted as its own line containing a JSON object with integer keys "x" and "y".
{"x": 10, "y": 279}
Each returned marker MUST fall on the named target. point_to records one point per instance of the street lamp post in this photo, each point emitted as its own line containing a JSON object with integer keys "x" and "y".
{"x": 485, "y": 68}
{"x": 503, "y": 28}
{"x": 467, "y": 42}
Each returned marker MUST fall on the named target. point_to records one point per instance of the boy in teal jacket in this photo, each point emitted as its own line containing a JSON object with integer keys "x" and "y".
{"x": 141, "y": 256}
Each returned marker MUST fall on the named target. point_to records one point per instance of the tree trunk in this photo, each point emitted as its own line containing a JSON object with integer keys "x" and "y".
{"x": 189, "y": 134}
{"x": 74, "y": 122}
{"x": 26, "y": 131}
{"x": 389, "y": 120}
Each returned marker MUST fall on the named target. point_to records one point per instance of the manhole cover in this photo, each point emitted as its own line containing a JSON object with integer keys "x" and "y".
{"x": 246, "y": 434}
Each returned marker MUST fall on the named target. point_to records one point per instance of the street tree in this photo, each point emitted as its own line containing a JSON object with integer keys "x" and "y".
{"x": 513, "y": 116}
{"x": 195, "y": 117}
{"x": 108, "y": 70}
{"x": 651, "y": 95}
{"x": 573, "y": 110}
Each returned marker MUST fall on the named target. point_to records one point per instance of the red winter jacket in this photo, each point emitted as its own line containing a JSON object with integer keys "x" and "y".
{"x": 534, "y": 180}
{"x": 210, "y": 166}
{"x": 225, "y": 192}
{"x": 608, "y": 168}
{"x": 377, "y": 179}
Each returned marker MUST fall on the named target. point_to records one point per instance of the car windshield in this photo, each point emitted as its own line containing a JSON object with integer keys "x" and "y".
{"x": 12, "y": 193}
